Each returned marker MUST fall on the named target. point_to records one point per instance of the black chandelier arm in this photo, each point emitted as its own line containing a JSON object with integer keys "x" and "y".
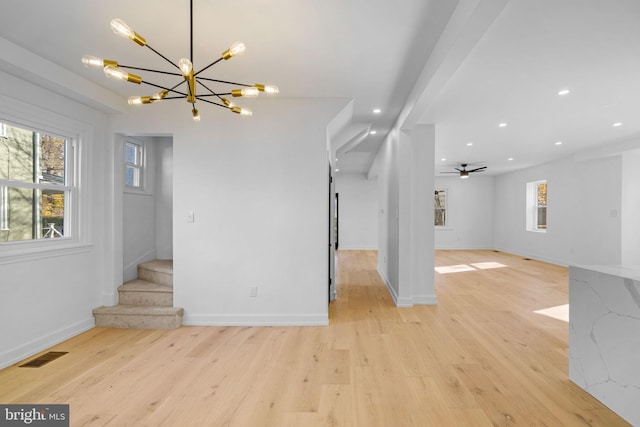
{"x": 199, "y": 97}
{"x": 211, "y": 91}
{"x": 149, "y": 70}
{"x": 209, "y": 66}
{"x": 225, "y": 82}
{"x": 166, "y": 88}
{"x": 162, "y": 56}
{"x": 173, "y": 97}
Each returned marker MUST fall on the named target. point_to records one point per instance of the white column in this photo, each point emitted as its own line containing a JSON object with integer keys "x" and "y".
{"x": 415, "y": 217}
{"x": 422, "y": 230}
{"x": 404, "y": 297}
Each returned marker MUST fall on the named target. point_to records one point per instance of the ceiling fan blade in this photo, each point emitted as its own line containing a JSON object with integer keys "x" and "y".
{"x": 478, "y": 169}
{"x": 459, "y": 170}
{"x": 449, "y": 172}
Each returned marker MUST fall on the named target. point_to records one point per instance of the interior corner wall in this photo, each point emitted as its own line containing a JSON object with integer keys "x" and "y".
{"x": 258, "y": 190}
{"x": 470, "y": 209}
{"x": 583, "y": 214}
{"x": 388, "y": 210}
{"x": 358, "y": 212}
{"x": 47, "y": 298}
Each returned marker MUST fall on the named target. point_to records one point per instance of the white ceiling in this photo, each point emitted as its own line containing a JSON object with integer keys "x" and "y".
{"x": 374, "y": 52}
{"x": 533, "y": 50}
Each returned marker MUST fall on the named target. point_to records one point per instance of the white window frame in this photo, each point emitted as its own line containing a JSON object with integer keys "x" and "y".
{"x": 532, "y": 206}
{"x": 140, "y": 165}
{"x": 446, "y": 209}
{"x": 4, "y": 208}
{"x": 3, "y": 129}
{"x": 77, "y": 233}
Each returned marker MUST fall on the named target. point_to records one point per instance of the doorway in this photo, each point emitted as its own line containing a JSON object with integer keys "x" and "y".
{"x": 147, "y": 202}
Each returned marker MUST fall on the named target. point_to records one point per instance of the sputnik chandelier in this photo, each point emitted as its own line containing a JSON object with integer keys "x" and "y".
{"x": 188, "y": 75}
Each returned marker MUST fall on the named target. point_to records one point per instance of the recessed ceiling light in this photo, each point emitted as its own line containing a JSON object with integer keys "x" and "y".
{"x": 510, "y": 158}
{"x": 377, "y": 111}
{"x": 502, "y": 125}
{"x": 469, "y": 144}
{"x": 443, "y": 159}
{"x": 564, "y": 92}
{"x": 558, "y": 142}
{"x": 336, "y": 159}
{"x": 337, "y": 170}
{"x": 617, "y": 124}
{"x": 373, "y": 132}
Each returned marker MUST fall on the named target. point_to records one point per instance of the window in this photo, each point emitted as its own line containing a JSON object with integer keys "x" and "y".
{"x": 537, "y": 206}
{"x": 35, "y": 185}
{"x": 133, "y": 163}
{"x": 440, "y": 208}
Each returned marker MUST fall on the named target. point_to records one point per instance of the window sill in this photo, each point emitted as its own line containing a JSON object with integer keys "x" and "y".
{"x": 15, "y": 252}
{"x": 444, "y": 228}
{"x": 538, "y": 231}
{"x": 137, "y": 192}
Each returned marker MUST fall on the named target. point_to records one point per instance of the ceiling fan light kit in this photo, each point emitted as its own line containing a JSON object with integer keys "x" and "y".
{"x": 112, "y": 69}
{"x": 464, "y": 172}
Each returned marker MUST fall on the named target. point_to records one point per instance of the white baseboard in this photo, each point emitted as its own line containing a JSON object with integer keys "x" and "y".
{"x": 399, "y": 302}
{"x": 8, "y": 358}
{"x": 406, "y": 302}
{"x": 255, "y": 320}
{"x": 358, "y": 248}
{"x": 462, "y": 248}
{"x": 553, "y": 261}
{"x": 425, "y": 300}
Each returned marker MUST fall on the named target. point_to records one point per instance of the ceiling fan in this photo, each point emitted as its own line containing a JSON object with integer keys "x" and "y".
{"x": 464, "y": 172}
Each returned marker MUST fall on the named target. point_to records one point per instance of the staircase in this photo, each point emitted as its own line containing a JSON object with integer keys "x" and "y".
{"x": 144, "y": 303}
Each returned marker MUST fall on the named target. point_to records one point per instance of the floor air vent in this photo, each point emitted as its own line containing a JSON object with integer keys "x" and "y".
{"x": 44, "y": 359}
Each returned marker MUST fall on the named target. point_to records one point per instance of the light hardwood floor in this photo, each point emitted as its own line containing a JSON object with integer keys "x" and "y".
{"x": 481, "y": 357}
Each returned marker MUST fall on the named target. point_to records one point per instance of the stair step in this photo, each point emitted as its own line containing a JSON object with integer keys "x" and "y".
{"x": 145, "y": 293}
{"x": 139, "y": 317}
{"x": 159, "y": 271}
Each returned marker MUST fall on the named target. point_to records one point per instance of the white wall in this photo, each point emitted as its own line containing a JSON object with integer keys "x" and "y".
{"x": 583, "y": 214}
{"x": 164, "y": 197}
{"x": 470, "y": 211}
{"x": 630, "y": 213}
{"x": 48, "y": 297}
{"x": 259, "y": 189}
{"x": 358, "y": 211}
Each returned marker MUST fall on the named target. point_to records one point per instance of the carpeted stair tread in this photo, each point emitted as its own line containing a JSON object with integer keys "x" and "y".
{"x": 139, "y": 285}
{"x": 139, "y": 310}
{"x": 159, "y": 265}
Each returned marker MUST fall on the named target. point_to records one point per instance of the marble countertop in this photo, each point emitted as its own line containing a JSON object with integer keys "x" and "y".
{"x": 625, "y": 271}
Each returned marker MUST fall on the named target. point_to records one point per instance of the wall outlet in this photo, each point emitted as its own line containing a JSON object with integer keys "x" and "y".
{"x": 191, "y": 216}
{"x": 253, "y": 291}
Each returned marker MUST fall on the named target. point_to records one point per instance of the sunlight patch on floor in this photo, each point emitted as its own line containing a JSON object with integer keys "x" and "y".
{"x": 464, "y": 267}
{"x": 454, "y": 269}
{"x": 488, "y": 265}
{"x": 560, "y": 312}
